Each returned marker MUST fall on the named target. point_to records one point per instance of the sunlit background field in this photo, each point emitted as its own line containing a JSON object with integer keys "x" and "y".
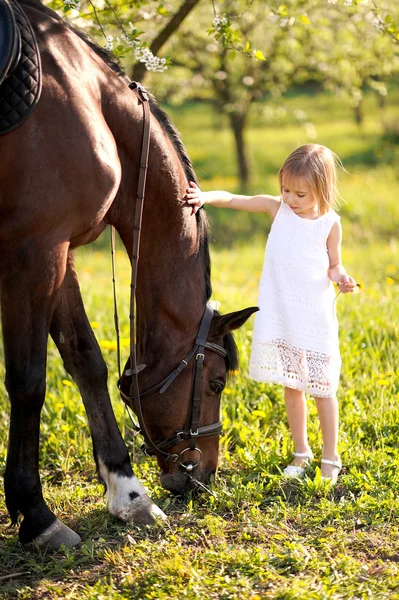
{"x": 253, "y": 536}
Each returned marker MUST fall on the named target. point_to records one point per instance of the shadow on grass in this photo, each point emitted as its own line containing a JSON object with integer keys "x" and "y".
{"x": 22, "y": 571}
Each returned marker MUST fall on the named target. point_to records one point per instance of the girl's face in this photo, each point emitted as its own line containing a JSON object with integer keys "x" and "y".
{"x": 296, "y": 192}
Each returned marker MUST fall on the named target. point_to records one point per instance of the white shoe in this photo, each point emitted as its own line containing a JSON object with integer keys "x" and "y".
{"x": 293, "y": 471}
{"x": 335, "y": 463}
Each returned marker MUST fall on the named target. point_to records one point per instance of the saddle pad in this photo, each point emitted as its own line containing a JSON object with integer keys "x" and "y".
{"x": 20, "y": 91}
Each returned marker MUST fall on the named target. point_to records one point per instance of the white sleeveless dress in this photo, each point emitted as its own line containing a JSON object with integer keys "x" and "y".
{"x": 295, "y": 340}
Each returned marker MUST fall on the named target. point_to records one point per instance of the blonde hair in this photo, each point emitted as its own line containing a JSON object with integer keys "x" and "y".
{"x": 317, "y": 164}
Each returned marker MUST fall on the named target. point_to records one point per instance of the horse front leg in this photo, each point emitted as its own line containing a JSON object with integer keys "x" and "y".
{"x": 28, "y": 296}
{"x": 71, "y": 332}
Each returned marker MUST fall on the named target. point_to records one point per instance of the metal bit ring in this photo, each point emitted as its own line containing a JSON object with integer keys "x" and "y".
{"x": 190, "y": 466}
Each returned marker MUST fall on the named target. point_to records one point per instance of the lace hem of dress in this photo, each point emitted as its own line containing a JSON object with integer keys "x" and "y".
{"x": 277, "y": 361}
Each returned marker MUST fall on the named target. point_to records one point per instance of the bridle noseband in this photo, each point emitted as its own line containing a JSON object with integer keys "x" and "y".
{"x": 192, "y": 430}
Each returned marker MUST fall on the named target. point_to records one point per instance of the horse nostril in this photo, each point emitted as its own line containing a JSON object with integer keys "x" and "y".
{"x": 177, "y": 482}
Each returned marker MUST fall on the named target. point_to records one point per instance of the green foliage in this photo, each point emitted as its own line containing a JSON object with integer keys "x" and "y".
{"x": 340, "y": 44}
{"x": 230, "y": 37}
{"x": 337, "y": 35}
{"x": 254, "y": 536}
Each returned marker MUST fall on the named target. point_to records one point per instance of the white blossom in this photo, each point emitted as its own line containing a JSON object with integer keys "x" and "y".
{"x": 71, "y": 3}
{"x": 248, "y": 80}
{"x": 152, "y": 63}
{"x": 287, "y": 22}
{"x": 219, "y": 22}
{"x": 128, "y": 41}
{"x": 109, "y": 46}
{"x": 148, "y": 16}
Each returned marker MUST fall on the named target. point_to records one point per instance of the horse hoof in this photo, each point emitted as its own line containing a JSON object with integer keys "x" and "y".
{"x": 147, "y": 512}
{"x": 142, "y": 511}
{"x": 54, "y": 537}
{"x": 127, "y": 498}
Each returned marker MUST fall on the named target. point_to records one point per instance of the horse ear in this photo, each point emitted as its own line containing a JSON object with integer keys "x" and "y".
{"x": 225, "y": 323}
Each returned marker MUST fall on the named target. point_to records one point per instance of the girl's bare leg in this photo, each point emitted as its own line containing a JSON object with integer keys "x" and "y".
{"x": 328, "y": 415}
{"x": 295, "y": 403}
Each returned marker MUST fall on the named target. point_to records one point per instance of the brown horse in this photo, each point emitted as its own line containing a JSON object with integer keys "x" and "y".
{"x": 69, "y": 170}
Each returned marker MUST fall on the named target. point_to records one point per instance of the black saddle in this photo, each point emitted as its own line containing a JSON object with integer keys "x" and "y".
{"x": 10, "y": 40}
{"x": 20, "y": 66}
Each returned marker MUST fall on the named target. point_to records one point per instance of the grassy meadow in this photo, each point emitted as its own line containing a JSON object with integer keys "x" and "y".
{"x": 254, "y": 536}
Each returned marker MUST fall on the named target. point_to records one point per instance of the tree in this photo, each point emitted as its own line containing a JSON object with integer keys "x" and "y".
{"x": 340, "y": 49}
{"x": 227, "y": 78}
{"x": 251, "y": 50}
{"x": 162, "y": 37}
{"x": 109, "y": 19}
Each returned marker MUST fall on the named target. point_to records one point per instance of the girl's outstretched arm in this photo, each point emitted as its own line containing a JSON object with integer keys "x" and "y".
{"x": 337, "y": 271}
{"x": 221, "y": 199}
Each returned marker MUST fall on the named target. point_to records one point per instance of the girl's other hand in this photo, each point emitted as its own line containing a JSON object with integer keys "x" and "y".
{"x": 346, "y": 284}
{"x": 194, "y": 197}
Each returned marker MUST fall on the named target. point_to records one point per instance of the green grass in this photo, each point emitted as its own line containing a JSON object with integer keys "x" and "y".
{"x": 255, "y": 536}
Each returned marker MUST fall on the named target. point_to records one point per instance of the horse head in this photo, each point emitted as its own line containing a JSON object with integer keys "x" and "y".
{"x": 181, "y": 413}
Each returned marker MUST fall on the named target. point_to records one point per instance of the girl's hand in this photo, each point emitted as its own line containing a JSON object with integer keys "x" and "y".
{"x": 346, "y": 284}
{"x": 194, "y": 197}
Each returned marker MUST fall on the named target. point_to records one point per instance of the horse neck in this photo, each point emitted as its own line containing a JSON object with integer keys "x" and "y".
{"x": 171, "y": 286}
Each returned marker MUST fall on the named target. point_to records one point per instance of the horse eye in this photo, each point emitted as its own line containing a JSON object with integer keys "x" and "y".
{"x": 216, "y": 387}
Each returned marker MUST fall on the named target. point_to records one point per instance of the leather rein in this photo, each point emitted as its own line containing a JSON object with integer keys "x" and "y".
{"x": 192, "y": 430}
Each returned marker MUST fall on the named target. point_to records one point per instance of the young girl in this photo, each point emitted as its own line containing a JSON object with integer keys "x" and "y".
{"x": 295, "y": 341}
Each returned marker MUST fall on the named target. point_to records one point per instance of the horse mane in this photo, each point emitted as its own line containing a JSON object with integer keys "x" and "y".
{"x": 201, "y": 216}
{"x": 160, "y": 115}
{"x": 172, "y": 133}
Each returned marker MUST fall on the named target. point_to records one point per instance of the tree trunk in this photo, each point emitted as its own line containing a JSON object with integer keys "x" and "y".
{"x": 359, "y": 116}
{"x": 381, "y": 101}
{"x": 139, "y": 71}
{"x": 237, "y": 121}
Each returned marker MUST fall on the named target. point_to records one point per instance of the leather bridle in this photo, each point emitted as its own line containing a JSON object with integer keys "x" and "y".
{"x": 192, "y": 430}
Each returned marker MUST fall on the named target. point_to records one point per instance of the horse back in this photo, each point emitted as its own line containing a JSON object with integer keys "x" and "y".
{"x": 60, "y": 170}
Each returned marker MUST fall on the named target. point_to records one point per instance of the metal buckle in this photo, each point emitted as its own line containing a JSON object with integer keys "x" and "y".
{"x": 179, "y": 436}
{"x": 193, "y": 433}
{"x": 200, "y": 354}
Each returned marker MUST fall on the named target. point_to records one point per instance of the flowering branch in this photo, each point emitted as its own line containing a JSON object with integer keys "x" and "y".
{"x": 230, "y": 38}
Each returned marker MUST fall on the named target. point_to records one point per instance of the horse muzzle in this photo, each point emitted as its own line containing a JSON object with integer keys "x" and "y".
{"x": 186, "y": 475}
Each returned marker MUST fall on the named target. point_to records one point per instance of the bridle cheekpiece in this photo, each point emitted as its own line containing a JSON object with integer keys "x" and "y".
{"x": 192, "y": 430}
